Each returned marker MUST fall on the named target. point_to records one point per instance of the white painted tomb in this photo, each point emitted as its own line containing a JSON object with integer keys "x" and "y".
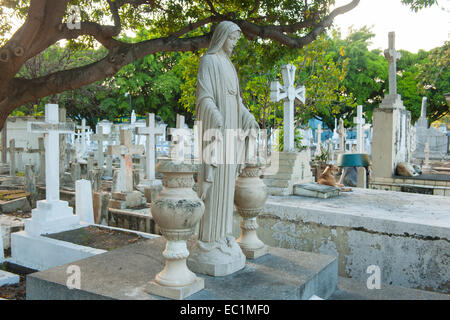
{"x": 83, "y": 199}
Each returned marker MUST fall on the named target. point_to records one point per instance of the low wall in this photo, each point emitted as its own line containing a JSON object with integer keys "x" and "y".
{"x": 424, "y": 186}
{"x": 405, "y": 235}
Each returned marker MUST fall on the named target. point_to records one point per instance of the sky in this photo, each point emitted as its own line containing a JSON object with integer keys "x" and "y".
{"x": 427, "y": 29}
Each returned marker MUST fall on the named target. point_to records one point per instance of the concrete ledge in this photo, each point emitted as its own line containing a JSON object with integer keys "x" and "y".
{"x": 281, "y": 274}
{"x": 407, "y": 235}
{"x": 41, "y": 253}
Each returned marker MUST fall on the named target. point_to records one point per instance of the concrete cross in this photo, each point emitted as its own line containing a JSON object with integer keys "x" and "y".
{"x": 288, "y": 92}
{"x": 151, "y": 131}
{"x": 179, "y": 135}
{"x": 51, "y": 129}
{"x": 12, "y": 156}
{"x": 83, "y": 129}
{"x": 100, "y": 137}
{"x": 342, "y": 135}
{"x": 392, "y": 56}
{"x": 319, "y": 140}
{"x": 41, "y": 151}
{"x": 359, "y": 121}
{"x": 126, "y": 150}
{"x": 423, "y": 110}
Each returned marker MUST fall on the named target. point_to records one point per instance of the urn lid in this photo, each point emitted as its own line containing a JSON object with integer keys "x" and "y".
{"x": 171, "y": 165}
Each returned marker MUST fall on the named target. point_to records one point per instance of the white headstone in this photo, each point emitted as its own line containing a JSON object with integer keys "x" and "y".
{"x": 83, "y": 201}
{"x": 319, "y": 140}
{"x": 151, "y": 131}
{"x": 126, "y": 150}
{"x": 359, "y": 121}
{"x": 100, "y": 137}
{"x": 180, "y": 135}
{"x": 52, "y": 214}
{"x": 288, "y": 92}
{"x": 82, "y": 136}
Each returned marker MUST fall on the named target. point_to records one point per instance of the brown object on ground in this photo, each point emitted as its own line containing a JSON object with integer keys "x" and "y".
{"x": 96, "y": 237}
{"x": 327, "y": 178}
{"x": 12, "y": 194}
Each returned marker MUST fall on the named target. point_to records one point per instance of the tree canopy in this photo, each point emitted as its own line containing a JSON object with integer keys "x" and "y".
{"x": 175, "y": 25}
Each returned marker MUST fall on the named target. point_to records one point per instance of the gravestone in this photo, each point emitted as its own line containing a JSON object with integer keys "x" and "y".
{"x": 100, "y": 137}
{"x": 359, "y": 121}
{"x": 437, "y": 140}
{"x": 51, "y": 215}
{"x": 150, "y": 184}
{"x": 124, "y": 196}
{"x": 83, "y": 198}
{"x": 315, "y": 190}
{"x": 290, "y": 167}
{"x": 40, "y": 177}
{"x": 13, "y": 151}
{"x": 342, "y": 135}
{"x": 318, "y": 151}
{"x": 289, "y": 93}
{"x": 180, "y": 136}
{"x": 82, "y": 137}
{"x": 391, "y": 124}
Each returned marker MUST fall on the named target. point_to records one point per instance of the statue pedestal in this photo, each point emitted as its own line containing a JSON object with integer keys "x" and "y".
{"x": 216, "y": 258}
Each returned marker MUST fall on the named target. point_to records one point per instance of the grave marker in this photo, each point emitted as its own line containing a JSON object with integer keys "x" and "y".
{"x": 125, "y": 150}
{"x": 100, "y": 137}
{"x": 288, "y": 92}
{"x": 51, "y": 214}
{"x": 359, "y": 121}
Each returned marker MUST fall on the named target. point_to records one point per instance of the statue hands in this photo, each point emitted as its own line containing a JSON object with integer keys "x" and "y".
{"x": 217, "y": 119}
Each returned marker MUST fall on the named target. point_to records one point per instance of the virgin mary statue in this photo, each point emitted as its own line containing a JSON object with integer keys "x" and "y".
{"x": 223, "y": 116}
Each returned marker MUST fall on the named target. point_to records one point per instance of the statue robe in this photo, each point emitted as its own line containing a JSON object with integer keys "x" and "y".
{"x": 218, "y": 95}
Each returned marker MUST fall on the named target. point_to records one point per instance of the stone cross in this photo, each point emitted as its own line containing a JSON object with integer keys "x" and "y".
{"x": 151, "y": 131}
{"x": 4, "y": 141}
{"x": 423, "y": 110}
{"x": 83, "y": 135}
{"x": 392, "y": 56}
{"x": 359, "y": 121}
{"x": 179, "y": 135}
{"x": 288, "y": 92}
{"x": 342, "y": 135}
{"x": 100, "y": 137}
{"x": 12, "y": 156}
{"x": 51, "y": 128}
{"x": 41, "y": 168}
{"x": 126, "y": 150}
{"x": 319, "y": 140}
{"x": 426, "y": 168}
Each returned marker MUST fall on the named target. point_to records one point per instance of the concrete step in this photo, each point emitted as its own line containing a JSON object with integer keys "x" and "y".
{"x": 276, "y": 191}
{"x": 278, "y": 183}
{"x": 349, "y": 289}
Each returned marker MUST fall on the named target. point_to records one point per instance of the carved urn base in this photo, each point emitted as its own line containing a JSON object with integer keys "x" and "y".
{"x": 177, "y": 209}
{"x": 249, "y": 197}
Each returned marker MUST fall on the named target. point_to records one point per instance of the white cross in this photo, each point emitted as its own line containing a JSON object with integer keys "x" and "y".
{"x": 392, "y": 56}
{"x": 319, "y": 140}
{"x": 151, "y": 131}
{"x": 51, "y": 129}
{"x": 342, "y": 135}
{"x": 126, "y": 150}
{"x": 100, "y": 137}
{"x": 359, "y": 121}
{"x": 179, "y": 135}
{"x": 83, "y": 135}
{"x": 288, "y": 93}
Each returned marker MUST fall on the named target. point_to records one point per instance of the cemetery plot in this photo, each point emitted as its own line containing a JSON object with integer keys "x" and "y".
{"x": 97, "y": 237}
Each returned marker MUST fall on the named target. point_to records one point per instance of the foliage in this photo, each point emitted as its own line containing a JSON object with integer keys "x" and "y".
{"x": 297, "y": 140}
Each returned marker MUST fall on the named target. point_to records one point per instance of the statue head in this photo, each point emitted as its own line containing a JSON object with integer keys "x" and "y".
{"x": 224, "y": 37}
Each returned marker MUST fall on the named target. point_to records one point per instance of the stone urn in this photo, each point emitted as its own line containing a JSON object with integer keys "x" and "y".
{"x": 177, "y": 209}
{"x": 249, "y": 197}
